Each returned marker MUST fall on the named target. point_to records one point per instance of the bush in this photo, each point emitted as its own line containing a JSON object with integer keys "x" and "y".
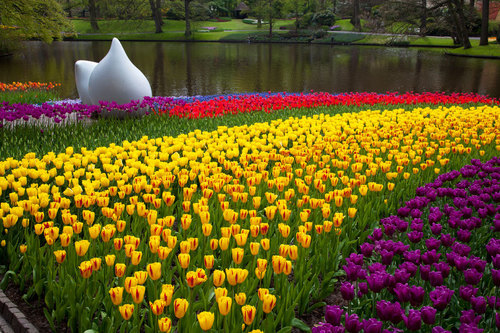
{"x": 325, "y": 17}
{"x": 306, "y": 21}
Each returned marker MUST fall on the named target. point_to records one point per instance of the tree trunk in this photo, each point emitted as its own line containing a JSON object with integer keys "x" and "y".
{"x": 459, "y": 21}
{"x": 68, "y": 8}
{"x": 355, "y": 21}
{"x": 270, "y": 18}
{"x": 484, "y": 23}
{"x": 93, "y": 15}
{"x": 423, "y": 19}
{"x": 188, "y": 24}
{"x": 156, "y": 14}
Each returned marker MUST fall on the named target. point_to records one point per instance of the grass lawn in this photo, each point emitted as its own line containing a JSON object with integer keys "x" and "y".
{"x": 491, "y": 50}
{"x": 147, "y": 26}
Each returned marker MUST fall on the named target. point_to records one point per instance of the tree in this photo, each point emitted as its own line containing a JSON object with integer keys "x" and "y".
{"x": 484, "y": 22}
{"x": 26, "y": 19}
{"x": 296, "y": 8}
{"x": 456, "y": 8}
{"x": 93, "y": 15}
{"x": 156, "y": 14}
{"x": 355, "y": 21}
{"x": 187, "y": 33}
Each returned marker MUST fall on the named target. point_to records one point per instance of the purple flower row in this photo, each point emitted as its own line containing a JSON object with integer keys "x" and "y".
{"x": 427, "y": 268}
{"x": 60, "y": 111}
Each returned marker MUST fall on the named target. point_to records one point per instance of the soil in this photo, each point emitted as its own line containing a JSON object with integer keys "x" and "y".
{"x": 32, "y": 310}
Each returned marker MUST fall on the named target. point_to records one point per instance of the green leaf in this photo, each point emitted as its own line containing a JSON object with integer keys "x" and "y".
{"x": 6, "y": 279}
{"x": 297, "y": 323}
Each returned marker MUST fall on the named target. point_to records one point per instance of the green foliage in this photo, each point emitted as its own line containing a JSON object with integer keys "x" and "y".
{"x": 325, "y": 17}
{"x": 43, "y": 20}
{"x": 28, "y": 96}
{"x": 130, "y": 9}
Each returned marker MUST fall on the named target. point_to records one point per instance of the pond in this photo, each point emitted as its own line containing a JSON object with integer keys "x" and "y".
{"x": 178, "y": 69}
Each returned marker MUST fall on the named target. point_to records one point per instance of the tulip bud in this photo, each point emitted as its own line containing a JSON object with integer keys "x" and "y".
{"x": 206, "y": 320}
{"x": 240, "y": 298}
{"x": 60, "y": 256}
{"x": 141, "y": 276}
{"x": 224, "y": 303}
{"x": 218, "y": 278}
{"x": 82, "y": 247}
{"x": 136, "y": 257}
{"x": 154, "y": 271}
{"x": 268, "y": 303}
{"x": 120, "y": 269}
{"x": 116, "y": 295}
{"x": 165, "y": 324}
{"x": 208, "y": 260}
{"x": 184, "y": 260}
{"x": 265, "y": 243}
{"x": 167, "y": 291}
{"x": 237, "y": 254}
{"x": 126, "y": 311}
{"x": 248, "y": 312}
{"x": 137, "y": 293}
{"x": 157, "y": 306}
{"x": 110, "y": 259}
{"x": 180, "y": 307}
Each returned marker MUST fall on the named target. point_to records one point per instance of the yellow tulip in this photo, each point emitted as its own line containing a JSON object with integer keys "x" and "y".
{"x": 206, "y": 320}
{"x": 237, "y": 254}
{"x": 157, "y": 307}
{"x": 268, "y": 302}
{"x": 180, "y": 307}
{"x": 110, "y": 259}
{"x": 224, "y": 304}
{"x": 120, "y": 269}
{"x": 154, "y": 270}
{"x": 208, "y": 260}
{"x": 116, "y": 295}
{"x": 126, "y": 311}
{"x": 184, "y": 260}
{"x": 82, "y": 247}
{"x": 141, "y": 276}
{"x": 137, "y": 293}
{"x": 165, "y": 324}
{"x": 136, "y": 257}
{"x": 218, "y": 278}
{"x": 240, "y": 298}
{"x": 248, "y": 312}
{"x": 60, "y": 256}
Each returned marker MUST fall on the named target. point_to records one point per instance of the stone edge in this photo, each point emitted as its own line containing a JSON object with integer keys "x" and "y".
{"x": 14, "y": 317}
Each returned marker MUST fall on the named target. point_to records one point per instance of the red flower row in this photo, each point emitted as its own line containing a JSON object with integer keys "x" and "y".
{"x": 257, "y": 102}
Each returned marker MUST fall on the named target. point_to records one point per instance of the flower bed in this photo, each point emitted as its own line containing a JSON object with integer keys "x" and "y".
{"x": 214, "y": 106}
{"x": 427, "y": 268}
{"x": 205, "y": 229}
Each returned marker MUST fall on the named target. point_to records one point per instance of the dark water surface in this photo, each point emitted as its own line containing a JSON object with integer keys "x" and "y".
{"x": 175, "y": 69}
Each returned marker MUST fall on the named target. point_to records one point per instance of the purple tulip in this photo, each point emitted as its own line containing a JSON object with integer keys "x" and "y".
{"x": 323, "y": 328}
{"x": 376, "y": 267}
{"x": 351, "y": 271}
{"x": 388, "y": 311}
{"x": 430, "y": 257}
{"x": 466, "y": 292}
{"x": 478, "y": 264}
{"x": 464, "y": 235}
{"x": 352, "y": 323}
{"x": 347, "y": 291}
{"x": 493, "y": 302}
{"x": 467, "y": 328}
{"x": 356, "y": 259}
{"x": 333, "y": 314}
{"x": 496, "y": 261}
{"x": 405, "y": 268}
{"x": 428, "y": 315}
{"x": 417, "y": 294}
{"x": 436, "y": 278}
{"x": 439, "y": 329}
{"x": 363, "y": 287}
{"x": 412, "y": 256}
{"x": 402, "y": 292}
{"x": 386, "y": 257}
{"x": 497, "y": 320}
{"x": 432, "y": 243}
{"x": 468, "y": 317}
{"x": 461, "y": 263}
{"x": 443, "y": 267}
{"x": 472, "y": 276}
{"x": 372, "y": 325}
{"x": 401, "y": 275}
{"x": 424, "y": 272}
{"x": 376, "y": 281}
{"x": 366, "y": 249}
{"x": 478, "y": 304}
{"x": 413, "y": 321}
{"x": 440, "y": 297}
{"x": 447, "y": 240}
{"x": 376, "y": 235}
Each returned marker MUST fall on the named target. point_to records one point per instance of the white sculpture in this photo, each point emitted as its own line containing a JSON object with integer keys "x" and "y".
{"x": 83, "y": 69}
{"x": 114, "y": 78}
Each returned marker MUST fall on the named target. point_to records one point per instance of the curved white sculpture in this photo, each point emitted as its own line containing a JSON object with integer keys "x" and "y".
{"x": 115, "y": 78}
{"x": 83, "y": 69}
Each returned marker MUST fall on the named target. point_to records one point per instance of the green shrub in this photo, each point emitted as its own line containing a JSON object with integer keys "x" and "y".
{"x": 325, "y": 17}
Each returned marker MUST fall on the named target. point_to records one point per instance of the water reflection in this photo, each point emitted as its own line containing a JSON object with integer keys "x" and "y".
{"x": 215, "y": 68}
